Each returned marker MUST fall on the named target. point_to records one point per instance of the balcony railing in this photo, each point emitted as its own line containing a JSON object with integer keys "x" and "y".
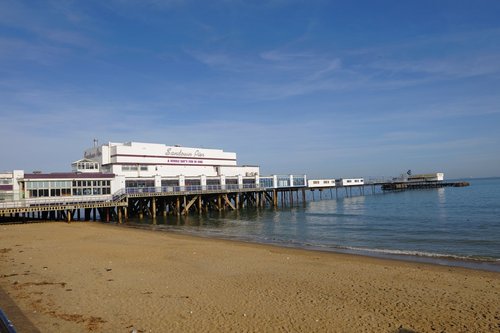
{"x": 190, "y": 188}
{"x": 34, "y": 202}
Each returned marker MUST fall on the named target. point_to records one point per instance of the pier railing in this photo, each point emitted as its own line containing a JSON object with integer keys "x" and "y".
{"x": 191, "y": 188}
{"x": 56, "y": 201}
{"x": 124, "y": 193}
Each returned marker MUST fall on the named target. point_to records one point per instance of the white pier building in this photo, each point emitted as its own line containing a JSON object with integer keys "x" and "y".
{"x": 133, "y": 166}
{"x": 156, "y": 165}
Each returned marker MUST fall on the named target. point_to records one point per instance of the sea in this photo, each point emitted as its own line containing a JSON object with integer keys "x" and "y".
{"x": 451, "y": 226}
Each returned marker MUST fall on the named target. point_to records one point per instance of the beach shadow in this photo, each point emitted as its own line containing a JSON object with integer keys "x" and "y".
{"x": 16, "y": 316}
{"x": 404, "y": 330}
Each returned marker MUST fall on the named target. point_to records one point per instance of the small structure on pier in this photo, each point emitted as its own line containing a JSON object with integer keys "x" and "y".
{"x": 319, "y": 183}
{"x": 421, "y": 181}
{"x": 350, "y": 181}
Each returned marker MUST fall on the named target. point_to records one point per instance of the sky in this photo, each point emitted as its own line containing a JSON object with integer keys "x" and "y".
{"x": 325, "y": 88}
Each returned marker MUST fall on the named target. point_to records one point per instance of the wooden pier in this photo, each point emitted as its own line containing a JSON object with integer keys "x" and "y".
{"x": 155, "y": 202}
{"x": 401, "y": 186}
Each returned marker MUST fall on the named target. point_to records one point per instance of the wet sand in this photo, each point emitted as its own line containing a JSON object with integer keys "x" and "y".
{"x": 91, "y": 277}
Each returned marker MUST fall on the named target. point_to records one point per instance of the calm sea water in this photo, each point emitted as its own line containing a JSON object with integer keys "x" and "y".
{"x": 450, "y": 226}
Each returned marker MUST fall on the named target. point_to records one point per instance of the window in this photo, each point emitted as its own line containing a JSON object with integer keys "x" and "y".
{"x": 266, "y": 182}
{"x": 192, "y": 182}
{"x": 171, "y": 182}
{"x": 213, "y": 181}
{"x": 144, "y": 168}
{"x": 5, "y": 181}
{"x": 55, "y": 192}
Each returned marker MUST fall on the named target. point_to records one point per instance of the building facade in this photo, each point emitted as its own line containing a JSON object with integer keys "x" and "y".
{"x": 136, "y": 159}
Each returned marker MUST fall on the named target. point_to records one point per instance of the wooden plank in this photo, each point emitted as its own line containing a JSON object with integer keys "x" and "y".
{"x": 189, "y": 204}
{"x": 228, "y": 201}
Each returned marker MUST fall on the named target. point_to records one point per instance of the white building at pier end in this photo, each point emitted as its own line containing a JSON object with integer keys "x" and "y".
{"x": 153, "y": 164}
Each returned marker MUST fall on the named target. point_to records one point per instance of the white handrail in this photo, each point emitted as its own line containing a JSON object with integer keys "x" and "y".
{"x": 56, "y": 200}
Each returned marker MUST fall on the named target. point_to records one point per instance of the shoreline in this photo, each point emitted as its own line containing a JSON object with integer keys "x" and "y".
{"x": 93, "y": 277}
{"x": 487, "y": 265}
{"x": 442, "y": 260}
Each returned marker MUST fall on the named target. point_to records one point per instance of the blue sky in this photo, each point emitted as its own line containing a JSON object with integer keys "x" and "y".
{"x": 327, "y": 88}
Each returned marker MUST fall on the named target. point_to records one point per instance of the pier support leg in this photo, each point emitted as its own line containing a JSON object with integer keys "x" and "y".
{"x": 153, "y": 208}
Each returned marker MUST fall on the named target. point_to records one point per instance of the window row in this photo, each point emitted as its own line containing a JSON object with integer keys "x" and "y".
{"x": 48, "y": 184}
{"x": 67, "y": 184}
{"x": 134, "y": 167}
{"x": 68, "y": 192}
{"x": 88, "y": 183}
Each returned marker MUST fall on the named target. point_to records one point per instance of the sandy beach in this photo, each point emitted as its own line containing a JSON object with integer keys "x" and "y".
{"x": 91, "y": 277}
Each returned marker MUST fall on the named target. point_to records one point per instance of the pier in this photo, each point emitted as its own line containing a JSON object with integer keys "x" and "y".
{"x": 116, "y": 181}
{"x": 152, "y": 202}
